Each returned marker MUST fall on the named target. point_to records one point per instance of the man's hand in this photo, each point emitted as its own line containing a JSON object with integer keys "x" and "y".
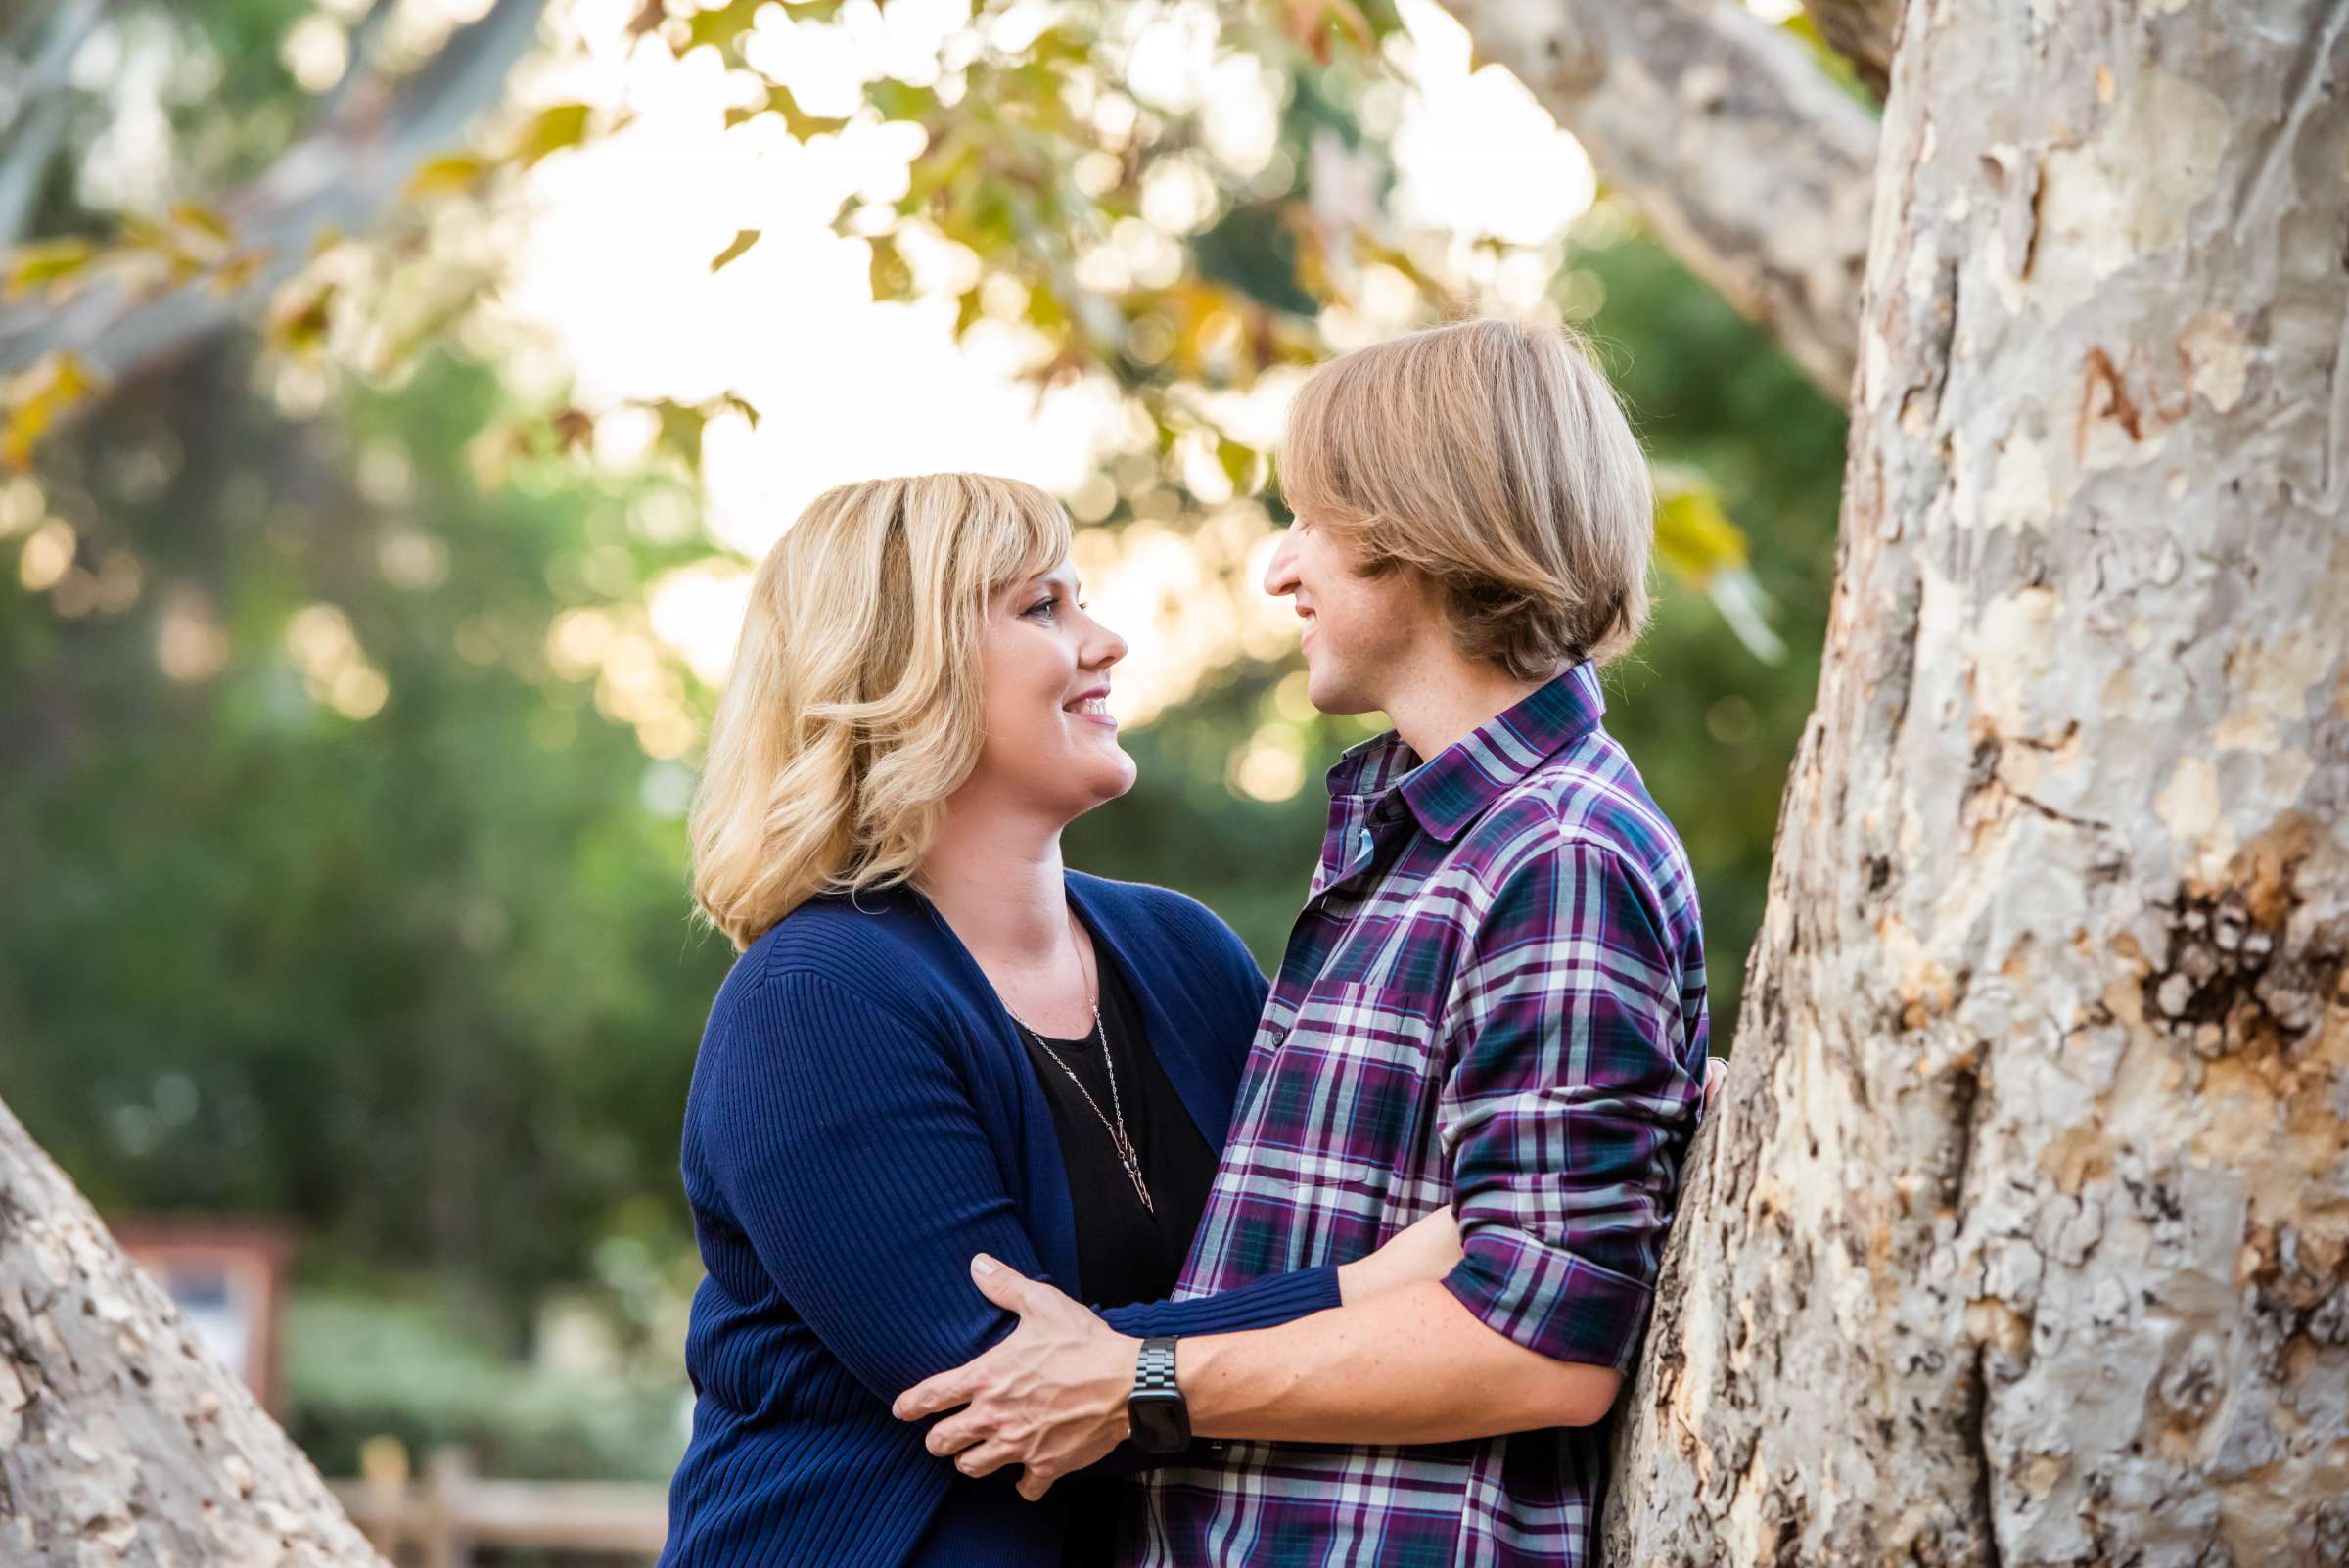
{"x": 1051, "y": 1398}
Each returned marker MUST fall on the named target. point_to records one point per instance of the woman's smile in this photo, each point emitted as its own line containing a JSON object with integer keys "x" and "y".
{"x": 1093, "y": 706}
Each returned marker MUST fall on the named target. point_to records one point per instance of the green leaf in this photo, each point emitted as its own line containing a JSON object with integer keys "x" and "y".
{"x": 741, "y": 405}
{"x": 743, "y": 241}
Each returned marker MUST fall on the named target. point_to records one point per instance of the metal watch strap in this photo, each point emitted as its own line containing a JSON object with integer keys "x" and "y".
{"x": 1153, "y": 1370}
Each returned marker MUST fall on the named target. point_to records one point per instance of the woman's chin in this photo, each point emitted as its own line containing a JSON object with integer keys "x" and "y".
{"x": 1108, "y": 779}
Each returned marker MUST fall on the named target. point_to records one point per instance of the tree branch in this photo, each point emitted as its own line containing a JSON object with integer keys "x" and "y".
{"x": 340, "y": 176}
{"x": 1752, "y": 167}
{"x": 1861, "y": 31}
{"x": 37, "y": 102}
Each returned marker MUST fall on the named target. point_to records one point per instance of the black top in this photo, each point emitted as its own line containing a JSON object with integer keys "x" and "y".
{"x": 1125, "y": 1253}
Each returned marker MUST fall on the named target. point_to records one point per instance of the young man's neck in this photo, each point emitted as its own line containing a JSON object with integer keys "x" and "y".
{"x": 1442, "y": 696}
{"x": 996, "y": 875}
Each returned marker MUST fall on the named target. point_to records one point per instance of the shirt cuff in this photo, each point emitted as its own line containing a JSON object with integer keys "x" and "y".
{"x": 1551, "y": 1300}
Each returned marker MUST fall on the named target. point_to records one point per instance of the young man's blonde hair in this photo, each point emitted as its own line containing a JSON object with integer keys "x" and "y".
{"x": 854, "y": 707}
{"x": 1492, "y": 459}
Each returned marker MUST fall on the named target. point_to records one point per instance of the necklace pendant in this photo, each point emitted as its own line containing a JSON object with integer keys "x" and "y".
{"x": 1134, "y": 1173}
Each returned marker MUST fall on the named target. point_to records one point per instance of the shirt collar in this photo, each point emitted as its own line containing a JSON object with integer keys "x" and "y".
{"x": 1453, "y": 789}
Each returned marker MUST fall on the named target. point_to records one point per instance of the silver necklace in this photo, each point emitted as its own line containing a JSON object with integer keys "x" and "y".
{"x": 1117, "y": 1130}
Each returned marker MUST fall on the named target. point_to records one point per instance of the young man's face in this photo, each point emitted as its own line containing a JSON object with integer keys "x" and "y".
{"x": 1359, "y": 632}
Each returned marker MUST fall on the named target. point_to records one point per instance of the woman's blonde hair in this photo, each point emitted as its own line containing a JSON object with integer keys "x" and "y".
{"x": 1493, "y": 459}
{"x": 852, "y": 708}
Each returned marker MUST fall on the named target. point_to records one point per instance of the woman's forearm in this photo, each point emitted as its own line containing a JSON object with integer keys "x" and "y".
{"x": 1408, "y": 1364}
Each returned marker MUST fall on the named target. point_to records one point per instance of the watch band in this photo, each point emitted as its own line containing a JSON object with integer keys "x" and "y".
{"x": 1153, "y": 1370}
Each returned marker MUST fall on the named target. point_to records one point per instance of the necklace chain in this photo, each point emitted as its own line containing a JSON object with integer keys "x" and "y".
{"x": 1119, "y": 1141}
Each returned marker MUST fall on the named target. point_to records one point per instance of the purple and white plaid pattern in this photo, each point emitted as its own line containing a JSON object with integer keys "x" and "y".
{"x": 1494, "y": 998}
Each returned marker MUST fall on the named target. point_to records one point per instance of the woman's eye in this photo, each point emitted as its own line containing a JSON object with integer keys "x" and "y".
{"x": 1045, "y": 604}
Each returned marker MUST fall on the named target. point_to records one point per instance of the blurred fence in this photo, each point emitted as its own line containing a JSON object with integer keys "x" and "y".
{"x": 441, "y": 1519}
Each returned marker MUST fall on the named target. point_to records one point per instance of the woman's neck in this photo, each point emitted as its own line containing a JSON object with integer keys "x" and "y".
{"x": 996, "y": 877}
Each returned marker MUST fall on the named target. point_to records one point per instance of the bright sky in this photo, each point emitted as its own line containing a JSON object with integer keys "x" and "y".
{"x": 617, "y": 266}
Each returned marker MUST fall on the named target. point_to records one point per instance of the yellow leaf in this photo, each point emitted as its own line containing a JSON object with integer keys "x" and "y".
{"x": 205, "y": 221}
{"x": 888, "y": 274}
{"x": 550, "y": 130}
{"x": 298, "y": 319}
{"x": 743, "y": 241}
{"x": 452, "y": 171}
{"x": 681, "y": 429}
{"x": 802, "y": 125}
{"x": 1693, "y": 531}
{"x": 722, "y": 25}
{"x": 238, "y": 270}
{"x": 45, "y": 262}
{"x": 57, "y": 381}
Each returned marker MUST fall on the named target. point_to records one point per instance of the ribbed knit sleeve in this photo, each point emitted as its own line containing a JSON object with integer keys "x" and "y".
{"x": 844, "y": 1146}
{"x": 843, "y": 1143}
{"x": 1265, "y": 1303}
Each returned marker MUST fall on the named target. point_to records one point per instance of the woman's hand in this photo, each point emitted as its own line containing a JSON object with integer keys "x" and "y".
{"x": 1425, "y": 1249}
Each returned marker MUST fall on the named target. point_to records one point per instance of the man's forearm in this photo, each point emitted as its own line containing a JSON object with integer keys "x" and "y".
{"x": 1408, "y": 1365}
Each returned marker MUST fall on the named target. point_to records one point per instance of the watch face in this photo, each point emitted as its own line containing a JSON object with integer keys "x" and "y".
{"x": 1160, "y": 1422}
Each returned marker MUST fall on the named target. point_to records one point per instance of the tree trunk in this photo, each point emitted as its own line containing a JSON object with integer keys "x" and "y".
{"x": 121, "y": 1441}
{"x": 2022, "y": 1234}
{"x": 1752, "y": 167}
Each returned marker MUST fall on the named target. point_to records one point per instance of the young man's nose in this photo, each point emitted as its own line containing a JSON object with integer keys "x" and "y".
{"x": 1280, "y": 572}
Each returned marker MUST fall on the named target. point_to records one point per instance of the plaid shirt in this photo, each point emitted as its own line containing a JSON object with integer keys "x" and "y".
{"x": 1494, "y": 998}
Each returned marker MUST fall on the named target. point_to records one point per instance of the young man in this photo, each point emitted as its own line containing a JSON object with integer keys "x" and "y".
{"x": 1494, "y": 998}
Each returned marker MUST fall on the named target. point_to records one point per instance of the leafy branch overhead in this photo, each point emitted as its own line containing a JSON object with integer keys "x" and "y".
{"x": 1101, "y": 221}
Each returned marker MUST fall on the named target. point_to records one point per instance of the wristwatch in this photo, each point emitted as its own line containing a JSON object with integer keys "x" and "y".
{"x": 1161, "y": 1423}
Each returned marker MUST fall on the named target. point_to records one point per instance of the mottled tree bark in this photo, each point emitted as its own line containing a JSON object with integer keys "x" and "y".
{"x": 122, "y": 1441}
{"x": 1752, "y": 167}
{"x": 2021, "y": 1236}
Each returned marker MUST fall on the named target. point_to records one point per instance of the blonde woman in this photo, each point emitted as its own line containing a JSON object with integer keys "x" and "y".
{"x": 938, "y": 1042}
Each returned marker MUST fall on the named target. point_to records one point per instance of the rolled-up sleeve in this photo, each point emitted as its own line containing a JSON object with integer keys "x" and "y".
{"x": 1570, "y": 1098}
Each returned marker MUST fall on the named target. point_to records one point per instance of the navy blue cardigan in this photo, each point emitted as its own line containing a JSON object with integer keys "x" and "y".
{"x": 862, "y": 1119}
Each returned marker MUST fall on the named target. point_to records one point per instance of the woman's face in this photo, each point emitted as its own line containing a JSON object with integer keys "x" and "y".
{"x": 1044, "y": 676}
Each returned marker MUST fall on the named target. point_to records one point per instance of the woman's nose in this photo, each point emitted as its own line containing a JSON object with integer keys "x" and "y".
{"x": 1105, "y": 648}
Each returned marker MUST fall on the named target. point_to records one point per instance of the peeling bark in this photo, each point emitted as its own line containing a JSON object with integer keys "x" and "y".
{"x": 2021, "y": 1234}
{"x": 1752, "y": 167}
{"x": 121, "y": 1441}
